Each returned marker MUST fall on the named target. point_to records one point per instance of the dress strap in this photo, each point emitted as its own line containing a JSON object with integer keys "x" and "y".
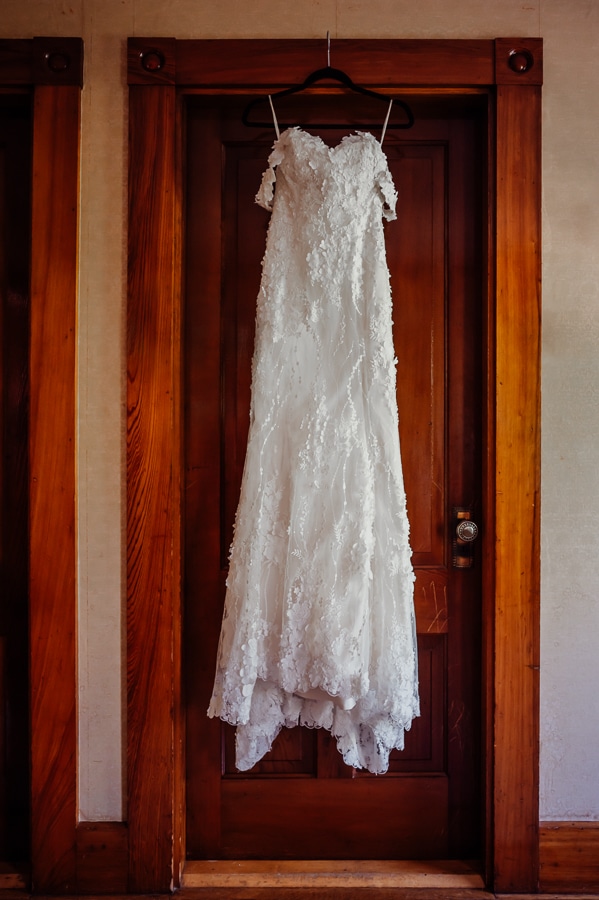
{"x": 274, "y": 117}
{"x": 386, "y": 119}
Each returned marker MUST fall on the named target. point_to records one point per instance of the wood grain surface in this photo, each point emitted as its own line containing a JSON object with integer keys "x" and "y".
{"x": 29, "y": 61}
{"x": 52, "y": 486}
{"x": 102, "y": 857}
{"x": 155, "y": 778}
{"x": 391, "y": 62}
{"x": 569, "y": 856}
{"x": 517, "y": 487}
{"x": 25, "y": 70}
{"x": 324, "y": 874}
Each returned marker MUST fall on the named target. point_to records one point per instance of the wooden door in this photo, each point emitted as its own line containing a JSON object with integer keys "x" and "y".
{"x": 15, "y": 166}
{"x": 301, "y": 801}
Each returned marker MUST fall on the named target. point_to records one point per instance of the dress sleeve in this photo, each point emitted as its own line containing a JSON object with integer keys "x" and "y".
{"x": 266, "y": 192}
{"x": 388, "y": 193}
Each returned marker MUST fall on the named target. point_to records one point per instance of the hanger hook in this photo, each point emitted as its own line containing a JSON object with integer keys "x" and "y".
{"x": 329, "y": 49}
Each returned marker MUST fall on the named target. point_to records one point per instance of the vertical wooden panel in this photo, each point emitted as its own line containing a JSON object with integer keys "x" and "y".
{"x": 155, "y": 778}
{"x": 417, "y": 259}
{"x": 52, "y": 492}
{"x": 517, "y": 487}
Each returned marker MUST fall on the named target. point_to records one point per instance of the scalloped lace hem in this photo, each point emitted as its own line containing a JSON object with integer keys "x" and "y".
{"x": 365, "y": 735}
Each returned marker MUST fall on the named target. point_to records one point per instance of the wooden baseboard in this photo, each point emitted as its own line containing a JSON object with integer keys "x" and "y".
{"x": 569, "y": 856}
{"x": 568, "y": 851}
{"x": 102, "y": 857}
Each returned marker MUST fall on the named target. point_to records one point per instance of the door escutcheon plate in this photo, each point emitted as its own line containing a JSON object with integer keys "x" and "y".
{"x": 464, "y": 532}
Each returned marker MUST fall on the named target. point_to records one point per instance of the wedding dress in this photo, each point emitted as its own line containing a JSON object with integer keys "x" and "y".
{"x": 318, "y": 627}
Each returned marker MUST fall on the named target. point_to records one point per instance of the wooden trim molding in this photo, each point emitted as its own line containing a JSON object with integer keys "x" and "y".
{"x": 517, "y": 483}
{"x": 509, "y": 72}
{"x": 153, "y": 499}
{"x": 569, "y": 857}
{"x": 41, "y": 60}
{"x": 53, "y": 559}
{"x": 50, "y": 70}
{"x": 419, "y": 63}
{"x": 102, "y": 857}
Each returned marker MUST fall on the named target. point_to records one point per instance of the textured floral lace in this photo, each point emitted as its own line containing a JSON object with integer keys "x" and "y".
{"x": 318, "y": 627}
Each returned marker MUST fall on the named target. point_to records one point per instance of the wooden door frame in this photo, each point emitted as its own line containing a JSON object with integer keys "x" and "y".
{"x": 160, "y": 72}
{"x": 50, "y": 72}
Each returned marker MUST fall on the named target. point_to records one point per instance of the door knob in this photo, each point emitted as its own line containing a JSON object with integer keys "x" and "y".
{"x": 467, "y": 531}
{"x": 464, "y": 534}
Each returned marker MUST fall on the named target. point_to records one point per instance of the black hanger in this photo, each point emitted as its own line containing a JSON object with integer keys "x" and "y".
{"x": 327, "y": 73}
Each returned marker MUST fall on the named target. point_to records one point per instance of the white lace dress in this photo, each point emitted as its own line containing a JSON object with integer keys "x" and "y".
{"x": 318, "y": 627}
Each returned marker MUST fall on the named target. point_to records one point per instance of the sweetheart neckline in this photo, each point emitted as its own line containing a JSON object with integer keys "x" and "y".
{"x": 347, "y": 138}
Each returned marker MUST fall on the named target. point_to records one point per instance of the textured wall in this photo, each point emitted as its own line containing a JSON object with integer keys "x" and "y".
{"x": 570, "y": 549}
{"x": 570, "y": 518}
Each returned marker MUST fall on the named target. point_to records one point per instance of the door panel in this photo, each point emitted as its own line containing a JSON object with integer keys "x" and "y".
{"x": 336, "y": 819}
{"x": 301, "y": 800}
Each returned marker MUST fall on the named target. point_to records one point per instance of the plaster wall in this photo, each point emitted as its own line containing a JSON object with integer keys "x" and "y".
{"x": 570, "y": 515}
